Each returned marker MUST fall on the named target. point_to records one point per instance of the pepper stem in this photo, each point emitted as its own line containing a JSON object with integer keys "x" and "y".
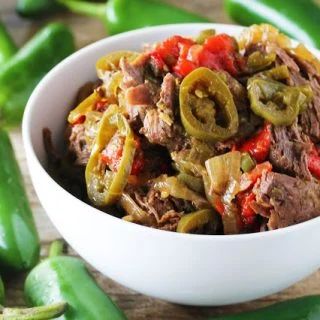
{"x": 37, "y": 313}
{"x": 56, "y": 249}
{"x": 96, "y": 10}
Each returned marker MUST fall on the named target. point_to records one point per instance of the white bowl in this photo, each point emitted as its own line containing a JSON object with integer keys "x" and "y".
{"x": 181, "y": 268}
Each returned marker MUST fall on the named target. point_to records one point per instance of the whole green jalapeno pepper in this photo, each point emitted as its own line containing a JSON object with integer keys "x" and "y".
{"x": 296, "y": 18}
{"x": 123, "y": 15}
{"x": 36, "y": 8}
{"x": 305, "y": 308}
{"x": 19, "y": 245}
{"x": 199, "y": 92}
{"x": 7, "y": 46}
{"x": 20, "y": 75}
{"x": 63, "y": 278}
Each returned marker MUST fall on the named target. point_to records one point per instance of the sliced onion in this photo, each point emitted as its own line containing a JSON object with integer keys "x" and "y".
{"x": 224, "y": 174}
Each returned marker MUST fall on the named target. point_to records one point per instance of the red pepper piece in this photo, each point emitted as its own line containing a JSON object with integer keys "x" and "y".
{"x": 314, "y": 165}
{"x": 218, "y": 205}
{"x": 221, "y": 42}
{"x": 101, "y": 105}
{"x": 79, "y": 120}
{"x": 209, "y": 60}
{"x": 259, "y": 145}
{"x": 184, "y": 67}
{"x": 169, "y": 50}
{"x": 112, "y": 154}
{"x": 229, "y": 63}
{"x": 246, "y": 200}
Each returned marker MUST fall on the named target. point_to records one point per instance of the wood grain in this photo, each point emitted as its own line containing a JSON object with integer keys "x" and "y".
{"x": 135, "y": 305}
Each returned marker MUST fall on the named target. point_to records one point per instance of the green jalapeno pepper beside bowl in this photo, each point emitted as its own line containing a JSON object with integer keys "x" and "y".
{"x": 66, "y": 279}
{"x": 19, "y": 245}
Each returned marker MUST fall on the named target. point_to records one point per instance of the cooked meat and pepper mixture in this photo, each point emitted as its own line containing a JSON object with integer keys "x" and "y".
{"x": 212, "y": 135}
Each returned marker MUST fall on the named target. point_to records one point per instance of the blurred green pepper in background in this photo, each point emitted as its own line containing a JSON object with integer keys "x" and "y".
{"x": 36, "y": 8}
{"x": 7, "y": 45}
{"x": 20, "y": 75}
{"x": 123, "y": 15}
{"x": 297, "y": 18}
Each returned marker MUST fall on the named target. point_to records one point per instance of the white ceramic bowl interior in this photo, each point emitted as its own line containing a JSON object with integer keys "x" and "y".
{"x": 187, "y": 269}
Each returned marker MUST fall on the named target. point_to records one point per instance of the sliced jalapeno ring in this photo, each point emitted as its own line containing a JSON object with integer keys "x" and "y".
{"x": 276, "y": 102}
{"x": 84, "y": 107}
{"x": 200, "y": 92}
{"x": 110, "y": 62}
{"x": 105, "y": 187}
{"x": 195, "y": 220}
{"x": 258, "y": 61}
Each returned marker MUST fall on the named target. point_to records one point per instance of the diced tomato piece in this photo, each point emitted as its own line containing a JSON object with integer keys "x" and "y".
{"x": 245, "y": 202}
{"x": 158, "y": 61}
{"x": 220, "y": 42}
{"x": 314, "y": 162}
{"x": 183, "y": 55}
{"x": 101, "y": 105}
{"x": 209, "y": 60}
{"x": 229, "y": 63}
{"x": 184, "y": 50}
{"x": 314, "y": 165}
{"x": 170, "y": 49}
{"x": 218, "y": 205}
{"x": 138, "y": 163}
{"x": 194, "y": 53}
{"x": 79, "y": 120}
{"x": 112, "y": 154}
{"x": 259, "y": 145}
{"x": 184, "y": 67}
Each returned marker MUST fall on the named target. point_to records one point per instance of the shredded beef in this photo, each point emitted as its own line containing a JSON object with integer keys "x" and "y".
{"x": 156, "y": 69}
{"x": 78, "y": 145}
{"x": 169, "y": 221}
{"x": 133, "y": 72}
{"x": 285, "y": 59}
{"x": 289, "y": 151}
{"x": 168, "y": 92}
{"x": 239, "y": 92}
{"x": 159, "y": 125}
{"x": 160, "y": 132}
{"x": 310, "y": 119}
{"x": 301, "y": 73}
{"x": 166, "y": 211}
{"x": 290, "y": 200}
{"x": 138, "y": 99}
{"x": 63, "y": 170}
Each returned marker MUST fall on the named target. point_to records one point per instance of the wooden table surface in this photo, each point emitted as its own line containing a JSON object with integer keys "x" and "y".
{"x": 135, "y": 305}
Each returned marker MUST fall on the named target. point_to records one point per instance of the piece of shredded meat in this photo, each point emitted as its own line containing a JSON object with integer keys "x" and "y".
{"x": 78, "y": 145}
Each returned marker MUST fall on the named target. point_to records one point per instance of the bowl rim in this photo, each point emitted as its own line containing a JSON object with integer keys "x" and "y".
{"x": 32, "y": 157}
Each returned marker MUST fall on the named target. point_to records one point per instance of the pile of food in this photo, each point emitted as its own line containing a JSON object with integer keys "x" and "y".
{"x": 211, "y": 135}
